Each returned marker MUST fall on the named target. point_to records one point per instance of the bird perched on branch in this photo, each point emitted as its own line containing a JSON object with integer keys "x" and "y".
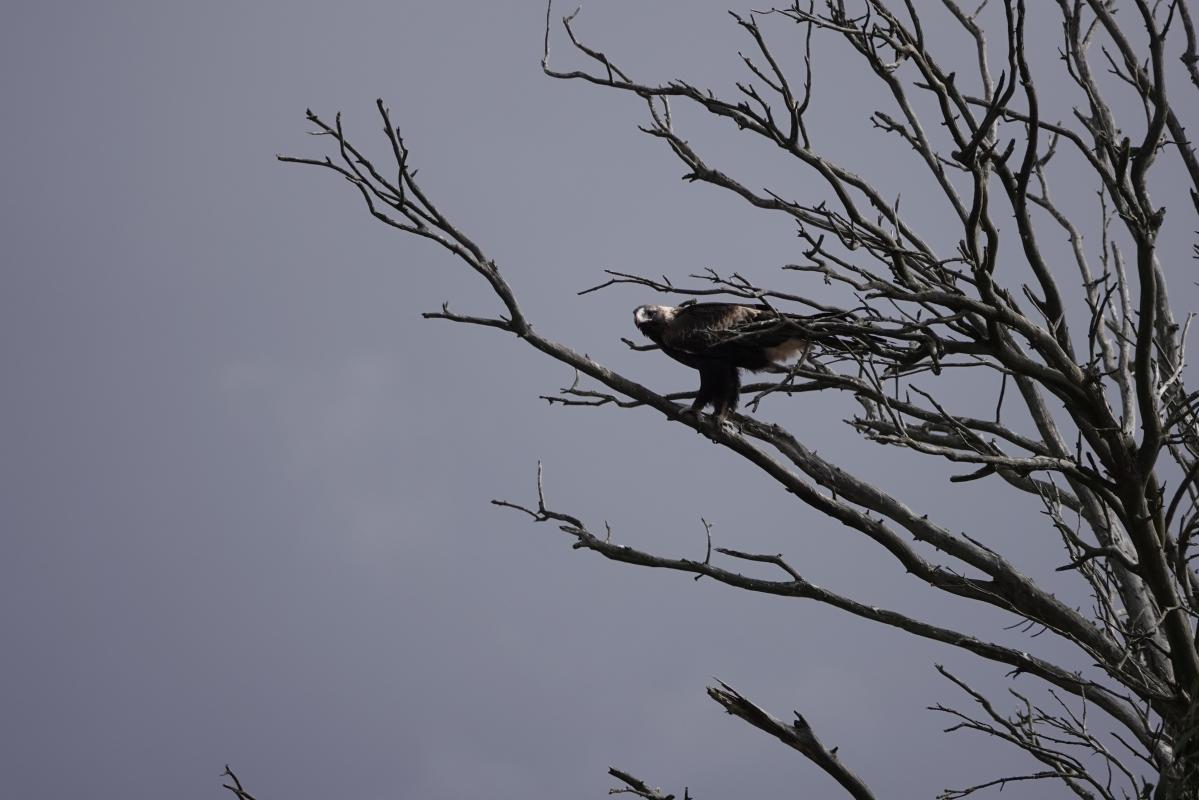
{"x": 719, "y": 340}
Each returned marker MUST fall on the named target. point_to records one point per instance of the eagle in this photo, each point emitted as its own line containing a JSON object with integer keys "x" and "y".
{"x": 719, "y": 340}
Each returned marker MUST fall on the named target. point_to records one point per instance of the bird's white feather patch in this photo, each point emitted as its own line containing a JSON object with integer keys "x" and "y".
{"x": 644, "y": 314}
{"x": 789, "y": 349}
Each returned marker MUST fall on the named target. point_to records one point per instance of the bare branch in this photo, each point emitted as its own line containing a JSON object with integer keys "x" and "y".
{"x": 798, "y": 736}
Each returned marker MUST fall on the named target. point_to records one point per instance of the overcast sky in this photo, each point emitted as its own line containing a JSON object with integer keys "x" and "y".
{"x": 245, "y": 486}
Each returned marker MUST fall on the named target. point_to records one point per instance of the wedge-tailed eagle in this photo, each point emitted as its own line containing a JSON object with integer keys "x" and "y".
{"x": 719, "y": 340}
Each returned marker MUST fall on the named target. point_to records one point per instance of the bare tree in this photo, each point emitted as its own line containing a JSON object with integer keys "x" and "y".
{"x": 1087, "y": 348}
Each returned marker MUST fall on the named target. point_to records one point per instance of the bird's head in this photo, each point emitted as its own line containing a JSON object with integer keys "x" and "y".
{"x": 650, "y": 319}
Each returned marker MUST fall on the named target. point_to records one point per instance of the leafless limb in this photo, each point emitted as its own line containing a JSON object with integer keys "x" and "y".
{"x": 796, "y": 586}
{"x": 1060, "y": 740}
{"x": 638, "y": 787}
{"x": 235, "y": 785}
{"x": 798, "y": 736}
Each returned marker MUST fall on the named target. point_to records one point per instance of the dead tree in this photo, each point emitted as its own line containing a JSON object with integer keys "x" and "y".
{"x": 1087, "y": 347}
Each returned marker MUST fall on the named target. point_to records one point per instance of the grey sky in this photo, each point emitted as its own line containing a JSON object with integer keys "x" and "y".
{"x": 245, "y": 486}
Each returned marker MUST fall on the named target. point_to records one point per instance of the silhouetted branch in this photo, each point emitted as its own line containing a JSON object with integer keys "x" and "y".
{"x": 235, "y": 787}
{"x": 638, "y": 787}
{"x": 798, "y": 736}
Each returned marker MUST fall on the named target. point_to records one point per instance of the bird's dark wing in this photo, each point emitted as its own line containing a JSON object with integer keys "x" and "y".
{"x": 699, "y": 327}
